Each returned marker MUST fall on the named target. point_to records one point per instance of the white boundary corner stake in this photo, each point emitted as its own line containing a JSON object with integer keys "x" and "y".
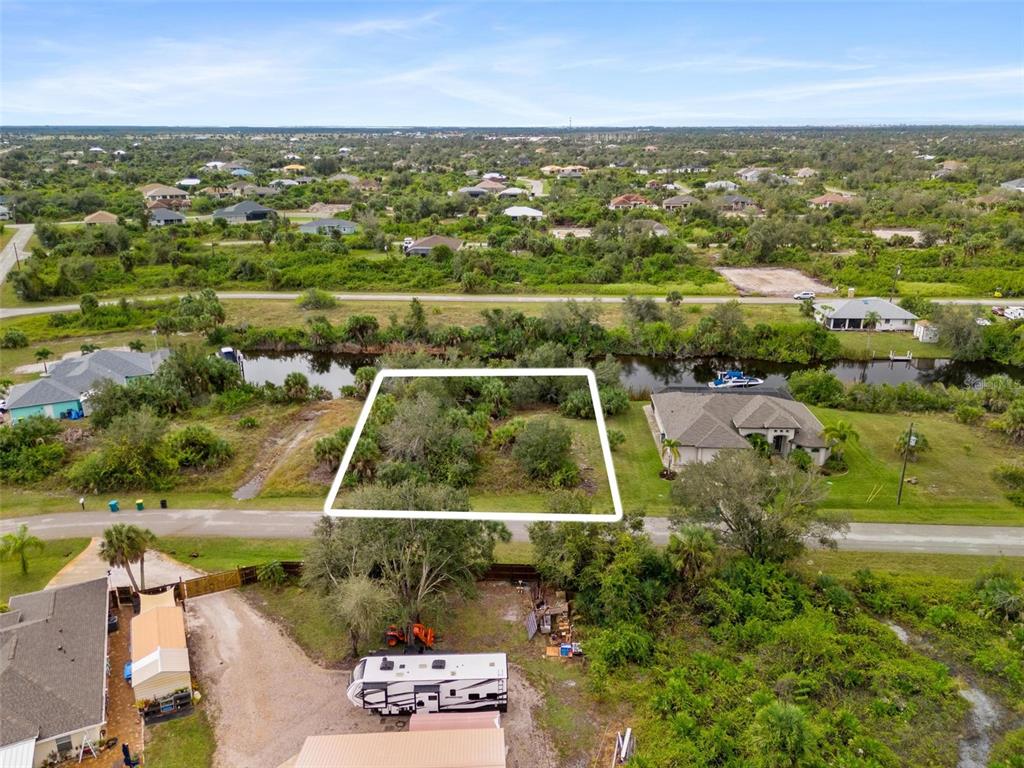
{"x": 445, "y": 373}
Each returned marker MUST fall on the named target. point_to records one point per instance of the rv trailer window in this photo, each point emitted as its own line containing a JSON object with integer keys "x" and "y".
{"x": 387, "y": 665}
{"x": 474, "y": 696}
{"x": 437, "y": 664}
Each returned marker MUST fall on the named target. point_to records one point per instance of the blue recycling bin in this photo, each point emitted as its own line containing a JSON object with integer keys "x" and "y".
{"x": 113, "y": 505}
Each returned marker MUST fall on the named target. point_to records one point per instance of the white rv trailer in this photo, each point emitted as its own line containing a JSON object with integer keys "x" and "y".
{"x": 397, "y": 684}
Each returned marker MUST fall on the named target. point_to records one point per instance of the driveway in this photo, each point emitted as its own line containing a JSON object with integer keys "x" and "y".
{"x": 17, "y": 247}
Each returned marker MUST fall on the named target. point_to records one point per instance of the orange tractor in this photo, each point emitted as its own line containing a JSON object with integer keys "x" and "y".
{"x": 418, "y": 635}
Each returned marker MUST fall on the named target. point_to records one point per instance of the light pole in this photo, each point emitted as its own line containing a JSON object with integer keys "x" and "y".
{"x": 895, "y": 276}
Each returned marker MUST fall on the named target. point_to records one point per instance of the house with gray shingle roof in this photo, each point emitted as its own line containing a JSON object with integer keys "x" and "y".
{"x": 705, "y": 423}
{"x": 328, "y": 227}
{"x": 852, "y": 314}
{"x": 61, "y": 392}
{"x": 53, "y": 676}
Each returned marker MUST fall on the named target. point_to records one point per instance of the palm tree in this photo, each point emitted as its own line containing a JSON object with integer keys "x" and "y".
{"x": 42, "y": 355}
{"x": 125, "y": 544}
{"x": 671, "y": 445}
{"x": 18, "y": 544}
{"x": 871, "y": 320}
{"x": 137, "y": 345}
{"x": 691, "y": 552}
{"x": 839, "y": 435}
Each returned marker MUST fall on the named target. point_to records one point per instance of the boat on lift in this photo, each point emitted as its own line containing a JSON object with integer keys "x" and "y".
{"x": 734, "y": 380}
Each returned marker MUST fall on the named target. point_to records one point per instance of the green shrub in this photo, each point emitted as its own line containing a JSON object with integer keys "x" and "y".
{"x": 506, "y": 434}
{"x": 968, "y": 414}
{"x": 248, "y": 422}
{"x": 817, "y": 387}
{"x": 13, "y": 338}
{"x": 542, "y": 448}
{"x": 132, "y": 456}
{"x": 616, "y": 438}
{"x": 30, "y": 450}
{"x": 198, "y": 447}
{"x": 615, "y": 647}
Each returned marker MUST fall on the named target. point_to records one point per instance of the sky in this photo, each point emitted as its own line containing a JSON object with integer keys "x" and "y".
{"x": 545, "y": 64}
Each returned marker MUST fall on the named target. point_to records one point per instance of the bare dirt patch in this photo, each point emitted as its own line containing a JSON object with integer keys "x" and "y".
{"x": 771, "y": 281}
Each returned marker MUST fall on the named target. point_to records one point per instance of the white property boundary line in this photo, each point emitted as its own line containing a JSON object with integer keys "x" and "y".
{"x": 444, "y": 373}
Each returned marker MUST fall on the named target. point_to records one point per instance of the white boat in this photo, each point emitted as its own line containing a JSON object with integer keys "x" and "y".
{"x": 734, "y": 380}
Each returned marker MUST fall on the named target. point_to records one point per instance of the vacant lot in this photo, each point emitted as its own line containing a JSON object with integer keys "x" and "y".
{"x": 770, "y": 281}
{"x": 953, "y": 479}
{"x": 42, "y": 566}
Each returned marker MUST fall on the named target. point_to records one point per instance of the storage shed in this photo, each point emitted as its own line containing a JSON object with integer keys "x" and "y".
{"x": 160, "y": 664}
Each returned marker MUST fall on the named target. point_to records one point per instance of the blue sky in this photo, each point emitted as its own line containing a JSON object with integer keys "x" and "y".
{"x": 510, "y": 63}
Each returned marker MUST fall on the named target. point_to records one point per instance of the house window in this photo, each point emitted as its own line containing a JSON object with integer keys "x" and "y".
{"x": 63, "y": 744}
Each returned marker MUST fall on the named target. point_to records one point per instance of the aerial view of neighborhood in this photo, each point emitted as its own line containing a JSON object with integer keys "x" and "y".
{"x": 512, "y": 385}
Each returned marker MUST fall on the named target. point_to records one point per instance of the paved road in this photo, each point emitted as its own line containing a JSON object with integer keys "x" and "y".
{"x": 9, "y": 312}
{"x": 867, "y": 537}
{"x": 536, "y": 186}
{"x": 22, "y": 234}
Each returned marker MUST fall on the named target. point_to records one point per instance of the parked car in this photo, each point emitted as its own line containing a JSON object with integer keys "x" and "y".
{"x": 804, "y": 295}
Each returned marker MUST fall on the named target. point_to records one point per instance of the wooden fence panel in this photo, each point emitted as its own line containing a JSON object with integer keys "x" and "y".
{"x": 214, "y": 582}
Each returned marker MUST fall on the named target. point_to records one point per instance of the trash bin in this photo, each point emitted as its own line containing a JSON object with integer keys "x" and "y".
{"x": 163, "y": 503}
{"x": 139, "y": 505}
{"x": 113, "y": 505}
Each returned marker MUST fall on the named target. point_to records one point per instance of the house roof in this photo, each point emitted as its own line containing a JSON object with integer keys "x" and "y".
{"x": 470, "y": 748}
{"x": 100, "y": 217}
{"x": 432, "y": 241}
{"x": 630, "y": 199}
{"x": 712, "y": 420}
{"x": 858, "y": 309}
{"x": 830, "y": 198}
{"x": 313, "y": 226}
{"x": 243, "y": 208}
{"x": 679, "y": 200}
{"x": 162, "y": 190}
{"x": 165, "y": 214}
{"x": 523, "y": 211}
{"x": 53, "y": 652}
{"x": 736, "y": 200}
{"x": 69, "y": 378}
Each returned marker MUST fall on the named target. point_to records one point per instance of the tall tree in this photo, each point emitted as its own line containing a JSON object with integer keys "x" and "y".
{"x": 42, "y": 355}
{"x": 763, "y": 507}
{"x": 18, "y": 544}
{"x": 840, "y": 434}
{"x": 362, "y": 605}
{"x": 871, "y": 320}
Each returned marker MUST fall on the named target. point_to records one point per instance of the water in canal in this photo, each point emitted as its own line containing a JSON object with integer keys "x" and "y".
{"x": 654, "y": 374}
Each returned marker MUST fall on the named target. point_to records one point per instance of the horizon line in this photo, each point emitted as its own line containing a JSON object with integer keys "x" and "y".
{"x": 561, "y": 128}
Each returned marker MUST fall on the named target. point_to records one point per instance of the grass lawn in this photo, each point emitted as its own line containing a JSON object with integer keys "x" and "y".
{"x": 186, "y": 742}
{"x": 955, "y": 484}
{"x": 842, "y": 564}
{"x": 42, "y": 566}
{"x": 856, "y": 345}
{"x": 637, "y": 464}
{"x": 217, "y": 553}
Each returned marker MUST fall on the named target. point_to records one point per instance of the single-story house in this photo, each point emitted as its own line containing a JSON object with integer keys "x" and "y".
{"x": 805, "y": 173}
{"x": 830, "y": 199}
{"x": 165, "y": 194}
{"x": 100, "y": 217}
{"x": 628, "y": 202}
{"x": 550, "y": 170}
{"x": 284, "y": 183}
{"x": 473, "y": 191}
{"x": 61, "y": 391}
{"x": 160, "y": 665}
{"x": 512, "y": 192}
{"x": 1014, "y": 185}
{"x": 458, "y": 748}
{"x": 705, "y": 423}
{"x": 752, "y": 174}
{"x": 191, "y": 181}
{"x": 293, "y": 168}
{"x": 328, "y": 227}
{"x": 162, "y": 217}
{"x": 241, "y": 173}
{"x": 850, "y": 314}
{"x": 560, "y": 233}
{"x": 53, "y": 673}
{"x": 491, "y": 185}
{"x": 646, "y": 227}
{"x": 736, "y": 202}
{"x": 722, "y": 184}
{"x": 523, "y": 212}
{"x": 926, "y": 332}
{"x": 679, "y": 202}
{"x": 425, "y": 245}
{"x": 217, "y": 193}
{"x": 243, "y": 212}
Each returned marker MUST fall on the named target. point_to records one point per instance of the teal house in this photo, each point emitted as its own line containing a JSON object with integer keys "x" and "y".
{"x": 62, "y": 393}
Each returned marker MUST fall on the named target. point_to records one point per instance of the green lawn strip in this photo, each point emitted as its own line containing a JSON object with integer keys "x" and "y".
{"x": 186, "y": 742}
{"x": 637, "y": 463}
{"x": 222, "y": 553}
{"x": 954, "y": 478}
{"x": 42, "y": 566}
{"x": 860, "y": 345}
{"x": 842, "y": 564}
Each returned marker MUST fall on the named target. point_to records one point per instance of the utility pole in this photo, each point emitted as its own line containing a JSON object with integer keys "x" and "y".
{"x": 911, "y": 441}
{"x": 16, "y": 257}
